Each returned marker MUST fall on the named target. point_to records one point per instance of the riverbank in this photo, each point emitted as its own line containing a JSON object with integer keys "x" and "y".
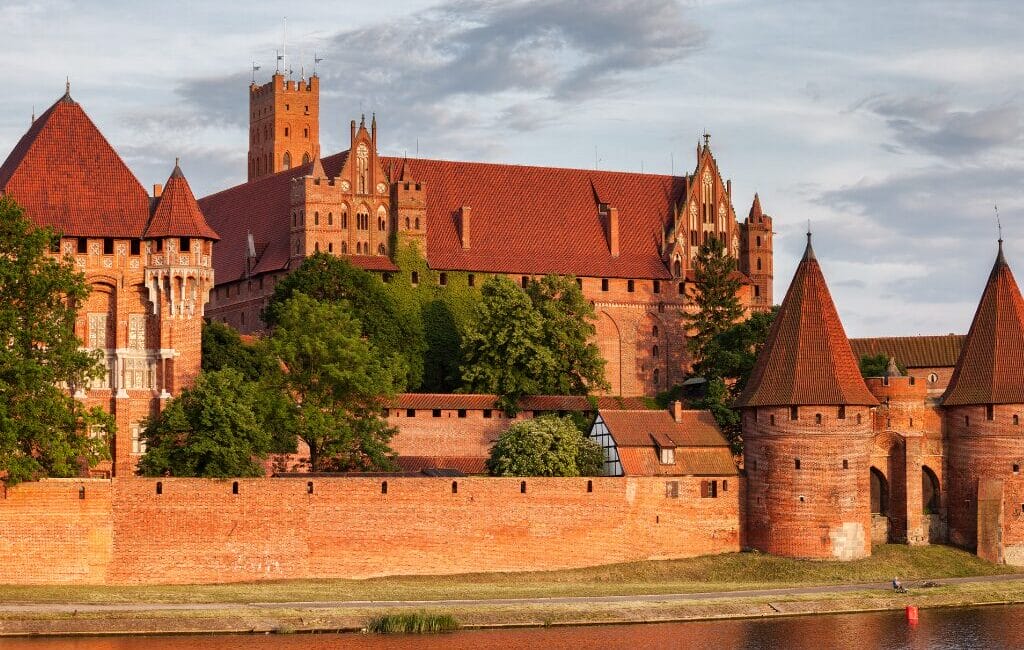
{"x": 729, "y": 586}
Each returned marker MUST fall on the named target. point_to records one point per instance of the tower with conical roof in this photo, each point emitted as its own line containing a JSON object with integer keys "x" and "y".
{"x": 983, "y": 405}
{"x": 807, "y": 431}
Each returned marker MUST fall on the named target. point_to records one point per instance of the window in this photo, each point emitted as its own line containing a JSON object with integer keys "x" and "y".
{"x": 842, "y": 412}
{"x": 757, "y": 291}
{"x": 1016, "y": 420}
{"x": 286, "y": 162}
{"x": 344, "y": 218}
{"x": 415, "y": 278}
{"x": 989, "y": 412}
{"x": 771, "y": 419}
{"x": 657, "y": 376}
{"x": 796, "y": 463}
{"x": 436, "y": 413}
{"x": 682, "y": 288}
{"x": 471, "y": 280}
{"x": 759, "y": 241}
{"x": 462, "y": 413}
{"x": 524, "y": 281}
{"x": 1016, "y": 468}
{"x": 604, "y": 284}
{"x": 522, "y": 487}
{"x": 846, "y": 464}
{"x": 137, "y": 331}
{"x": 655, "y": 351}
{"x": 330, "y": 247}
{"x": 316, "y": 218}
{"x": 859, "y": 418}
{"x": 384, "y": 487}
{"x": 136, "y": 247}
{"x": 932, "y": 378}
{"x": 455, "y": 487}
{"x": 234, "y": 488}
{"x": 794, "y": 413}
{"x": 657, "y": 286}
{"x": 286, "y": 131}
{"x": 97, "y": 334}
{"x": 83, "y": 245}
{"x": 344, "y": 247}
{"x": 654, "y": 331}
{"x": 108, "y": 246}
{"x": 630, "y": 286}
{"x": 487, "y": 413}
{"x": 138, "y": 442}
{"x": 672, "y": 489}
{"x": 709, "y": 489}
{"x": 442, "y": 279}
{"x": 579, "y": 283}
{"x": 381, "y": 249}
{"x": 410, "y": 413}
{"x": 668, "y": 456}
{"x": 316, "y": 247}
{"x": 817, "y": 418}
{"x": 759, "y": 264}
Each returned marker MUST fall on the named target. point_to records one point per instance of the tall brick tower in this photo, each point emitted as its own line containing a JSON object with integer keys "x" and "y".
{"x": 755, "y": 258}
{"x": 984, "y": 404}
{"x": 807, "y": 431}
{"x": 284, "y": 124}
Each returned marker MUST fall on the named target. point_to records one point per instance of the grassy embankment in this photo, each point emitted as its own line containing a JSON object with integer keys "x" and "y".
{"x": 710, "y": 573}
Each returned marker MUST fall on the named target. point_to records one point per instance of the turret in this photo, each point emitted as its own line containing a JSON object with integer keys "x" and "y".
{"x": 284, "y": 124}
{"x": 806, "y": 416}
{"x": 411, "y": 201}
{"x": 756, "y": 257}
{"x": 983, "y": 406}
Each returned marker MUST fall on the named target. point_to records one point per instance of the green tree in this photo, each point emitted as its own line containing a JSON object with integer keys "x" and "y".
{"x": 568, "y": 324}
{"x": 717, "y": 307}
{"x": 545, "y": 446}
{"x": 717, "y": 398}
{"x": 392, "y": 329}
{"x": 338, "y": 385}
{"x": 43, "y": 429}
{"x": 505, "y": 352}
{"x": 731, "y": 354}
{"x": 876, "y": 365}
{"x": 223, "y": 348}
{"x": 209, "y": 430}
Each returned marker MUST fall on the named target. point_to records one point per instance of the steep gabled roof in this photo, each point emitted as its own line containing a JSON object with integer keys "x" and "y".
{"x": 698, "y": 444}
{"x": 990, "y": 369}
{"x": 67, "y": 176}
{"x": 913, "y": 351}
{"x": 807, "y": 358}
{"x": 529, "y": 220}
{"x": 177, "y": 214}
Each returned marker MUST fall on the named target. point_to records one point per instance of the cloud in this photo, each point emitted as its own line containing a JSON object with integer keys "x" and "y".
{"x": 930, "y": 125}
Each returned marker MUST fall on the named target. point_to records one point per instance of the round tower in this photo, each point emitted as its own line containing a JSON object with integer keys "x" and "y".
{"x": 807, "y": 431}
{"x": 983, "y": 407}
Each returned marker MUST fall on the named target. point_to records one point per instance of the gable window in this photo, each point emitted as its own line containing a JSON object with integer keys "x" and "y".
{"x": 668, "y": 456}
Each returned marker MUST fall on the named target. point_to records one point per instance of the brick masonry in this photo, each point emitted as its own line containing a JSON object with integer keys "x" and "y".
{"x": 199, "y": 531}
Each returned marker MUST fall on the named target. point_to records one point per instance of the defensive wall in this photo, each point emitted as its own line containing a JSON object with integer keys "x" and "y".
{"x": 179, "y": 531}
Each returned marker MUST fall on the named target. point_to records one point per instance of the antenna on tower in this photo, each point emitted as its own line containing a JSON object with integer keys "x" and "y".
{"x": 316, "y": 61}
{"x": 33, "y": 113}
{"x": 255, "y": 67}
{"x": 999, "y": 224}
{"x": 672, "y": 160}
{"x": 282, "y": 58}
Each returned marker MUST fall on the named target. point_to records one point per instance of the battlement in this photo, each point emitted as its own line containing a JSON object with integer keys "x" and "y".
{"x": 913, "y": 388}
{"x": 279, "y": 84}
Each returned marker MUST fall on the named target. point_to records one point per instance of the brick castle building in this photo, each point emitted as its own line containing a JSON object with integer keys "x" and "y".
{"x": 630, "y": 239}
{"x": 147, "y": 260}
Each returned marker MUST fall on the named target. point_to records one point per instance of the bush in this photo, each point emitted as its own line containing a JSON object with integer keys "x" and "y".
{"x": 545, "y": 446}
{"x": 412, "y": 623}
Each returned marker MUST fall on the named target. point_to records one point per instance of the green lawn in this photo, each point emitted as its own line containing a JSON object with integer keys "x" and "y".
{"x": 709, "y": 573}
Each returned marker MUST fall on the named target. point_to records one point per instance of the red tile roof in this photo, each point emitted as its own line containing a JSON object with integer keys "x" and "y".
{"x": 807, "y": 358}
{"x": 529, "y": 220}
{"x": 465, "y": 464}
{"x": 177, "y": 214}
{"x": 477, "y": 402}
{"x": 699, "y": 447}
{"x": 991, "y": 366}
{"x": 913, "y": 351}
{"x": 67, "y": 176}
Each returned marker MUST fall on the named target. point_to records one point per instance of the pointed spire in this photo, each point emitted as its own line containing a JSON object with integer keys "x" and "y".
{"x": 809, "y": 251}
{"x": 176, "y": 173}
{"x": 176, "y": 213}
{"x": 67, "y": 91}
{"x": 807, "y": 359}
{"x": 362, "y": 121}
{"x": 755, "y": 208}
{"x": 990, "y": 369}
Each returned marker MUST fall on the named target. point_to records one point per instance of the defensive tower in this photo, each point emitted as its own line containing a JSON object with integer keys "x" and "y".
{"x": 284, "y": 124}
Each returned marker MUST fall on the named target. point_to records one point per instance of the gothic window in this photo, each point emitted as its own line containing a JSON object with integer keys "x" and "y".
{"x": 316, "y": 247}
{"x": 759, "y": 241}
{"x": 305, "y": 159}
{"x": 330, "y": 247}
{"x": 362, "y": 166}
{"x": 381, "y": 250}
{"x": 677, "y": 268}
{"x": 137, "y": 331}
{"x": 655, "y": 351}
{"x": 759, "y": 264}
{"x": 138, "y": 442}
{"x": 316, "y": 218}
{"x": 657, "y": 376}
{"x": 344, "y": 248}
{"x": 344, "y": 217}
{"x": 382, "y": 215}
{"x": 407, "y": 223}
{"x": 417, "y": 223}
{"x": 654, "y": 331}
{"x": 286, "y": 162}
{"x": 330, "y": 218}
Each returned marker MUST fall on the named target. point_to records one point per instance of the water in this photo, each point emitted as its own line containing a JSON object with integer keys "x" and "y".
{"x": 977, "y": 627}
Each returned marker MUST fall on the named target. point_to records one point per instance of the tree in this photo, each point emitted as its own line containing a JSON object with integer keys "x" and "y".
{"x": 337, "y": 384}
{"x": 392, "y": 329}
{"x": 731, "y": 354}
{"x": 545, "y": 446}
{"x": 877, "y": 365}
{"x": 505, "y": 352}
{"x": 568, "y": 323}
{"x": 223, "y": 348}
{"x": 209, "y": 430}
{"x": 43, "y": 429}
{"x": 717, "y": 307}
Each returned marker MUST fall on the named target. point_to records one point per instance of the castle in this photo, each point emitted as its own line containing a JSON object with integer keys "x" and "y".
{"x": 629, "y": 239}
{"x": 832, "y": 462}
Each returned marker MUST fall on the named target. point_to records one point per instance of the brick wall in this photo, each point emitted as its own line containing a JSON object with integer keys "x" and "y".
{"x": 199, "y": 531}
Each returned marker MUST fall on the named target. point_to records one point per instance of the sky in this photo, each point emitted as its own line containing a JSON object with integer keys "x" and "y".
{"x": 893, "y": 128}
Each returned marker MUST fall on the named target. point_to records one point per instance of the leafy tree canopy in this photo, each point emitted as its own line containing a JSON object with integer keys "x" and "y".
{"x": 223, "y": 348}
{"x": 337, "y": 384}
{"x": 717, "y": 307}
{"x": 545, "y": 446}
{"x": 42, "y": 427}
{"x": 392, "y": 329}
{"x": 732, "y": 352}
{"x": 505, "y": 352}
{"x": 876, "y": 365}
{"x": 209, "y": 430}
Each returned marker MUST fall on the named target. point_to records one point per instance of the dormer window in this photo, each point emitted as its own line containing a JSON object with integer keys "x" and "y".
{"x": 667, "y": 456}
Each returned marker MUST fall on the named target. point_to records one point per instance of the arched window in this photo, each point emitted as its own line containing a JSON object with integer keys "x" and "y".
{"x": 677, "y": 268}
{"x": 286, "y": 162}
{"x": 330, "y": 218}
{"x": 879, "y": 493}
{"x": 344, "y": 217}
{"x": 407, "y": 223}
{"x": 654, "y": 331}
{"x": 382, "y": 218}
{"x": 316, "y": 218}
{"x": 362, "y": 167}
{"x": 657, "y": 376}
{"x": 417, "y": 223}
{"x": 381, "y": 250}
{"x": 759, "y": 264}
{"x": 344, "y": 248}
{"x": 655, "y": 351}
{"x": 929, "y": 491}
{"x": 759, "y": 241}
{"x": 305, "y": 159}
{"x": 316, "y": 247}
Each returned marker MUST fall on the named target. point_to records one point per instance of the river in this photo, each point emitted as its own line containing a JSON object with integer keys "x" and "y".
{"x": 974, "y": 627}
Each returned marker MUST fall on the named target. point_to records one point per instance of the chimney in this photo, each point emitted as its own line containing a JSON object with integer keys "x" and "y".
{"x": 158, "y": 189}
{"x": 677, "y": 411}
{"x": 464, "y": 214}
{"x": 613, "y": 231}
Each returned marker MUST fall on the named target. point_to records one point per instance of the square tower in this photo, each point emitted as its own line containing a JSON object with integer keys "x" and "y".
{"x": 284, "y": 124}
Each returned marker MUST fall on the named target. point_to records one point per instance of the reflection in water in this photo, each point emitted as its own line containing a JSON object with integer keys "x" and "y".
{"x": 981, "y": 627}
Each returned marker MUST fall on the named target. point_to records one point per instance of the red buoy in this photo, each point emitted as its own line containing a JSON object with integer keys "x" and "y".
{"x": 911, "y": 614}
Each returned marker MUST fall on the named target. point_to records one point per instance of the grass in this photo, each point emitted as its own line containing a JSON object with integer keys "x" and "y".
{"x": 709, "y": 573}
{"x": 412, "y": 623}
